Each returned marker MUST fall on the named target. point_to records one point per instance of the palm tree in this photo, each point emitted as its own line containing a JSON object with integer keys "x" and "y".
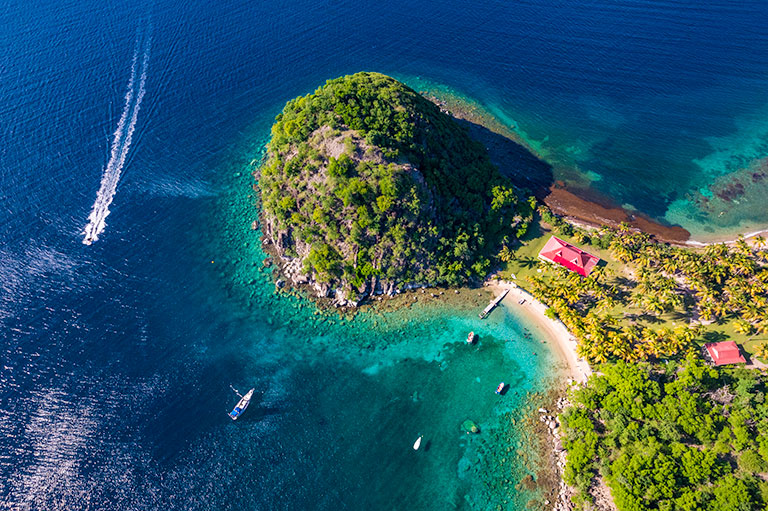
{"x": 643, "y": 260}
{"x": 716, "y": 250}
{"x": 670, "y": 265}
{"x": 743, "y": 327}
{"x": 761, "y": 351}
{"x": 681, "y": 338}
{"x": 605, "y": 304}
{"x": 621, "y": 252}
{"x": 752, "y": 312}
{"x": 741, "y": 244}
{"x": 598, "y": 273}
{"x": 717, "y": 272}
{"x": 505, "y": 255}
{"x": 762, "y": 327}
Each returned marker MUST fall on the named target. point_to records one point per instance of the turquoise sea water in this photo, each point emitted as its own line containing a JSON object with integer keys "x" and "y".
{"x": 116, "y": 357}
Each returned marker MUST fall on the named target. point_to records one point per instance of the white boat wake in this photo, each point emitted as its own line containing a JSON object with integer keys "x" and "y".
{"x": 121, "y": 143}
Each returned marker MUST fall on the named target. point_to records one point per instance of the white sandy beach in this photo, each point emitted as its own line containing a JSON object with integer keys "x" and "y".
{"x": 563, "y": 343}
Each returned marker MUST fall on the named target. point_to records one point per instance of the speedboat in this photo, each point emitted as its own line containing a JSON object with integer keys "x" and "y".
{"x": 471, "y": 338}
{"x": 417, "y": 443}
{"x": 500, "y": 388}
{"x": 241, "y": 405}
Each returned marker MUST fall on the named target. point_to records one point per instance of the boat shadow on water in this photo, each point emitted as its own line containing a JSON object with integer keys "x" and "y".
{"x": 257, "y": 413}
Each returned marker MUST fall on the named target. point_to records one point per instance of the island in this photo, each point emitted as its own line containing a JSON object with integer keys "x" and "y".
{"x": 369, "y": 188}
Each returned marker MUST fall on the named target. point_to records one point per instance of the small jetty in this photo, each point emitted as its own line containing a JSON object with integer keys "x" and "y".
{"x": 493, "y": 304}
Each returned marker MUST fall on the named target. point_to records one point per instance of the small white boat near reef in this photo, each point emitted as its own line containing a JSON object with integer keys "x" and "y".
{"x": 417, "y": 443}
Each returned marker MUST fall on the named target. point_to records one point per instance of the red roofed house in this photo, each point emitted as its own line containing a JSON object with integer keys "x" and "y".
{"x": 559, "y": 252}
{"x": 723, "y": 353}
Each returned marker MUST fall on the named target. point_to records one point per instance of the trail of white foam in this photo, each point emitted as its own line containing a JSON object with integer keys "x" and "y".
{"x": 121, "y": 143}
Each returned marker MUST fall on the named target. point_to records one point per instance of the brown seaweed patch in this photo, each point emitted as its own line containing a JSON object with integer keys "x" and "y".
{"x": 528, "y": 482}
{"x": 584, "y": 205}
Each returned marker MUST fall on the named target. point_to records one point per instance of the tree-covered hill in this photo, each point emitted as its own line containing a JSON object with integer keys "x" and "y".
{"x": 367, "y": 185}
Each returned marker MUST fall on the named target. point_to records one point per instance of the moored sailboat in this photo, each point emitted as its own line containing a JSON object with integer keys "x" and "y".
{"x": 241, "y": 405}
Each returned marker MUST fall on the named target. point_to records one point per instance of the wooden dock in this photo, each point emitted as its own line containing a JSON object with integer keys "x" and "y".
{"x": 493, "y": 304}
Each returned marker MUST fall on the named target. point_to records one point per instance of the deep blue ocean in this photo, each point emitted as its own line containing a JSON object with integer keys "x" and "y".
{"x": 117, "y": 357}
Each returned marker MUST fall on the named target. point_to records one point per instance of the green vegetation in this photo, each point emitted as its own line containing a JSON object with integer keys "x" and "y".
{"x": 671, "y": 438}
{"x": 663, "y": 430}
{"x": 653, "y": 301}
{"x": 365, "y": 180}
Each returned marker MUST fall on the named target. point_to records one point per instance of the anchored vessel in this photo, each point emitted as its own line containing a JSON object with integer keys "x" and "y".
{"x": 493, "y": 304}
{"x": 471, "y": 338}
{"x": 241, "y": 405}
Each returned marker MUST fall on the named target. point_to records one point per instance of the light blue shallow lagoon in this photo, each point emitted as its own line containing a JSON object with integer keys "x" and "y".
{"x": 131, "y": 126}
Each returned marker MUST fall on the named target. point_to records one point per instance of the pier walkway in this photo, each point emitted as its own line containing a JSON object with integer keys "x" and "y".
{"x": 493, "y": 304}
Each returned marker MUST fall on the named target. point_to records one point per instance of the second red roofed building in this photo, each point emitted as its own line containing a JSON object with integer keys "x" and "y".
{"x": 723, "y": 353}
{"x": 568, "y": 256}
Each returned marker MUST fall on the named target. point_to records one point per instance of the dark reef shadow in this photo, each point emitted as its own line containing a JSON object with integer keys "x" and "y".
{"x": 514, "y": 160}
{"x": 533, "y": 176}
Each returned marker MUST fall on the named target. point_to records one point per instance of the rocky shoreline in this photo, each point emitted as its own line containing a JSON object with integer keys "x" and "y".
{"x": 552, "y": 423}
{"x": 290, "y": 273}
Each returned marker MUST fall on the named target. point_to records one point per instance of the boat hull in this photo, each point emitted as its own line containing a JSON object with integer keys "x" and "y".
{"x": 241, "y": 406}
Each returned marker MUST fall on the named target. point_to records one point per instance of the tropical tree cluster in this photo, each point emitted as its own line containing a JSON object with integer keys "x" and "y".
{"x": 725, "y": 282}
{"x": 366, "y": 179}
{"x": 716, "y": 283}
{"x": 586, "y": 306}
{"x": 672, "y": 438}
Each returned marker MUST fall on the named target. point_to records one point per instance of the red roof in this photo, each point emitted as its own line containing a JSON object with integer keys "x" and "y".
{"x": 559, "y": 252}
{"x": 723, "y": 353}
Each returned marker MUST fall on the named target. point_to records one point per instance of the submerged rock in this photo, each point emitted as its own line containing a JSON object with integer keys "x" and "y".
{"x": 470, "y": 427}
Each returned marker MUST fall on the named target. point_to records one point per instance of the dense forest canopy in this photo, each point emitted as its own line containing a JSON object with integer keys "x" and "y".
{"x": 367, "y": 180}
{"x": 688, "y": 437}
